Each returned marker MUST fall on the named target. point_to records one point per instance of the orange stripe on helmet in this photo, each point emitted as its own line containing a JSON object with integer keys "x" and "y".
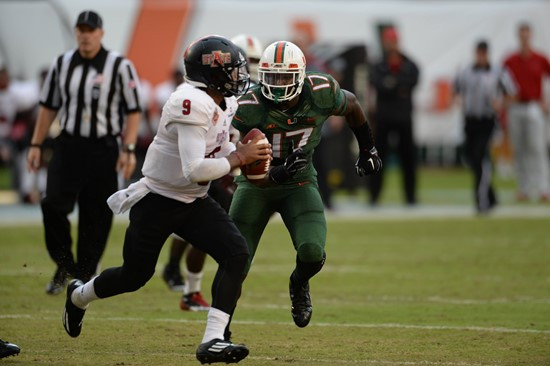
{"x": 279, "y": 52}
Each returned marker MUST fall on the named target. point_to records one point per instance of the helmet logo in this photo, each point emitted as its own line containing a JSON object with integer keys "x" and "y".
{"x": 216, "y": 58}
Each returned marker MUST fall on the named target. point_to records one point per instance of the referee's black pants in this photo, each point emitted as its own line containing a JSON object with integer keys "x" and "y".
{"x": 82, "y": 171}
{"x": 203, "y": 222}
{"x": 478, "y": 132}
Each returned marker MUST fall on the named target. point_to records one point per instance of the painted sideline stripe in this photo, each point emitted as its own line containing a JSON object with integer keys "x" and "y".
{"x": 328, "y": 325}
{"x": 18, "y": 215}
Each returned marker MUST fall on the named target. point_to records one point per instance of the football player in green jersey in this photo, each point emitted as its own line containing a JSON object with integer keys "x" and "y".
{"x": 290, "y": 106}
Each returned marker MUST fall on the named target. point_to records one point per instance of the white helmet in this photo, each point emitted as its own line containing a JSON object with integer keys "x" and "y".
{"x": 252, "y": 48}
{"x": 282, "y": 71}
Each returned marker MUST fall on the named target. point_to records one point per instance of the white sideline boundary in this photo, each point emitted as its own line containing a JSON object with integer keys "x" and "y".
{"x": 15, "y": 215}
{"x": 327, "y": 325}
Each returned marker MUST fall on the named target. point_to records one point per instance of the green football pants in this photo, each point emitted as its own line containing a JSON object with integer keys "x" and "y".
{"x": 300, "y": 207}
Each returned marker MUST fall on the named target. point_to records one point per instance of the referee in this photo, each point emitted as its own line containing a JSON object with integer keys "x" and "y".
{"x": 90, "y": 90}
{"x": 482, "y": 87}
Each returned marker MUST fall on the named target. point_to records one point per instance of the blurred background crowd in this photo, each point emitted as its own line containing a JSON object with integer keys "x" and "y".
{"x": 405, "y": 60}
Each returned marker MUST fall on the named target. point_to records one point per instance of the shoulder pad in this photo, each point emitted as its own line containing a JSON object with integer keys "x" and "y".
{"x": 252, "y": 97}
{"x": 250, "y": 112}
{"x": 188, "y": 105}
{"x": 324, "y": 90}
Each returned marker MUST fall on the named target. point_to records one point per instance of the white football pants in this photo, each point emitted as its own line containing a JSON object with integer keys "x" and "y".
{"x": 527, "y": 127}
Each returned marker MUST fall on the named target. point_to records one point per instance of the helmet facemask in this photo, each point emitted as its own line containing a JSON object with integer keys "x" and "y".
{"x": 282, "y": 71}
{"x": 231, "y": 80}
{"x": 281, "y": 85}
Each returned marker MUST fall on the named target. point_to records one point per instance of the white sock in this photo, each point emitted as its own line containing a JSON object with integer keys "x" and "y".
{"x": 215, "y": 325}
{"x": 193, "y": 282}
{"x": 84, "y": 294}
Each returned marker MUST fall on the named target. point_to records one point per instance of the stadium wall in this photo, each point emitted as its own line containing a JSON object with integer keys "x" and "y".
{"x": 153, "y": 33}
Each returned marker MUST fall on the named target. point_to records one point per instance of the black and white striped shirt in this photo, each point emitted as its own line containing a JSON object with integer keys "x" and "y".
{"x": 91, "y": 95}
{"x": 479, "y": 86}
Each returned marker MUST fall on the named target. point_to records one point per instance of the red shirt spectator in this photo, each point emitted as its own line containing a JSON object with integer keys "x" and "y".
{"x": 528, "y": 72}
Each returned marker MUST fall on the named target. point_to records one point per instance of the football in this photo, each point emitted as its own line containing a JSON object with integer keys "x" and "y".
{"x": 256, "y": 171}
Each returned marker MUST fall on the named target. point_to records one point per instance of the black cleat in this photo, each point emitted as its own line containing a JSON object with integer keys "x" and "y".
{"x": 58, "y": 283}
{"x": 173, "y": 278}
{"x": 72, "y": 315}
{"x": 8, "y": 349}
{"x": 218, "y": 350}
{"x": 227, "y": 334}
{"x": 301, "y": 304}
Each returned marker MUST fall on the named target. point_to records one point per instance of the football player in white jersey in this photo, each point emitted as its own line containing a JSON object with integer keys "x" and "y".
{"x": 221, "y": 190}
{"x": 191, "y": 148}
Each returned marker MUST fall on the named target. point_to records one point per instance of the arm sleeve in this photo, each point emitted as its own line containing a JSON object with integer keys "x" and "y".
{"x": 415, "y": 75}
{"x": 546, "y": 66}
{"x": 506, "y": 83}
{"x": 457, "y": 85}
{"x": 374, "y": 76}
{"x": 129, "y": 86}
{"x": 227, "y": 148}
{"x": 192, "y": 148}
{"x": 50, "y": 95}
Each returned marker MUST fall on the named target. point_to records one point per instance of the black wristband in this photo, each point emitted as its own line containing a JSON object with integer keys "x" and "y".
{"x": 363, "y": 134}
{"x": 36, "y": 145}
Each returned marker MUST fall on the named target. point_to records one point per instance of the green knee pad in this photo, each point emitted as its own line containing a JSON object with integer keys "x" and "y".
{"x": 310, "y": 253}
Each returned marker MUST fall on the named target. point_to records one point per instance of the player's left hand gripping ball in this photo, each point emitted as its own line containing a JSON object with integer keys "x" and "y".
{"x": 255, "y": 172}
{"x": 368, "y": 163}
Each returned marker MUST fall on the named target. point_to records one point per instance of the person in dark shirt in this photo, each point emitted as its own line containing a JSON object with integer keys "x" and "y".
{"x": 394, "y": 79}
{"x": 93, "y": 92}
{"x": 482, "y": 88}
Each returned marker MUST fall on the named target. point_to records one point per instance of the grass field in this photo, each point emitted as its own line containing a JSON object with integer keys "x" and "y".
{"x": 435, "y": 186}
{"x": 464, "y": 292}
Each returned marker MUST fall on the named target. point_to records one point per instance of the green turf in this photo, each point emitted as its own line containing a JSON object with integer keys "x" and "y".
{"x": 447, "y": 292}
{"x": 5, "y": 177}
{"x": 436, "y": 186}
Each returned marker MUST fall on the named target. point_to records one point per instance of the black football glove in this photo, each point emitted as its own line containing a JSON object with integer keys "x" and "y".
{"x": 294, "y": 163}
{"x": 368, "y": 163}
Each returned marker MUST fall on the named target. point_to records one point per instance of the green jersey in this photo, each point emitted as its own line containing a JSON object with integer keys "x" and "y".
{"x": 300, "y": 126}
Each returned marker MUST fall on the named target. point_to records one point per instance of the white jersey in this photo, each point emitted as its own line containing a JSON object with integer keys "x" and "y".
{"x": 19, "y": 96}
{"x": 192, "y": 135}
{"x": 8, "y": 111}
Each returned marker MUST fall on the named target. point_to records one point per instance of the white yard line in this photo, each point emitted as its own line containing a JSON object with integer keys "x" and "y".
{"x": 328, "y": 325}
{"x": 366, "y": 362}
{"x": 279, "y": 360}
